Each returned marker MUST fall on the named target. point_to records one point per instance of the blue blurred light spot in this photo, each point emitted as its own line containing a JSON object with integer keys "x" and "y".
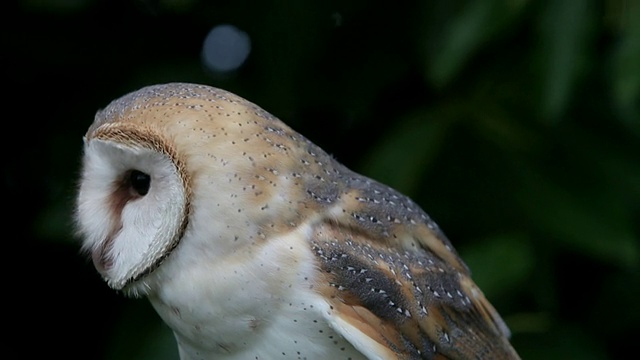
{"x": 225, "y": 48}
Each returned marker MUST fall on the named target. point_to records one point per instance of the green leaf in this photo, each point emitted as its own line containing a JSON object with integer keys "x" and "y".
{"x": 565, "y": 35}
{"x": 476, "y": 24}
{"x": 625, "y": 67}
{"x": 402, "y": 157}
{"x": 595, "y": 227}
{"x": 499, "y": 263}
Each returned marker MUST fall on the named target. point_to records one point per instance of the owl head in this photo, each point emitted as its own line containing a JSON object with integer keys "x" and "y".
{"x": 145, "y": 155}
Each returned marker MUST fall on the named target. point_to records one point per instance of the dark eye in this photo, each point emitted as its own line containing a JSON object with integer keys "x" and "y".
{"x": 140, "y": 182}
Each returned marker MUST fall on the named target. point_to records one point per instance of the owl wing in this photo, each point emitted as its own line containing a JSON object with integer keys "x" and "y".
{"x": 395, "y": 286}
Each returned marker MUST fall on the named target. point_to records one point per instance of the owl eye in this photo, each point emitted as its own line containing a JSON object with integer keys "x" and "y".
{"x": 140, "y": 182}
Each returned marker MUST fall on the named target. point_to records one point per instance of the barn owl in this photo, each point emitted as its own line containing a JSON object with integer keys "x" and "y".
{"x": 251, "y": 242}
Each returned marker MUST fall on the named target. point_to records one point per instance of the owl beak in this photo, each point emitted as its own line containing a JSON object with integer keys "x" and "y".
{"x": 101, "y": 261}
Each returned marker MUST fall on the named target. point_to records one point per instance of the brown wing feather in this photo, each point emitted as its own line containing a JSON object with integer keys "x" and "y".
{"x": 394, "y": 280}
{"x": 409, "y": 292}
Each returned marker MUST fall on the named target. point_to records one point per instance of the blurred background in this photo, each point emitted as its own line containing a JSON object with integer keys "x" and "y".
{"x": 514, "y": 123}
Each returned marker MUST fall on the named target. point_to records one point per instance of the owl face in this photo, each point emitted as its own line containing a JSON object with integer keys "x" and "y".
{"x": 132, "y": 203}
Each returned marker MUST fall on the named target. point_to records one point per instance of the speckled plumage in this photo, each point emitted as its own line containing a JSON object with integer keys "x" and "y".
{"x": 271, "y": 230}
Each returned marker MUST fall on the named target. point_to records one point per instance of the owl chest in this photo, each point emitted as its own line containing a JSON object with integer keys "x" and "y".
{"x": 262, "y": 307}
